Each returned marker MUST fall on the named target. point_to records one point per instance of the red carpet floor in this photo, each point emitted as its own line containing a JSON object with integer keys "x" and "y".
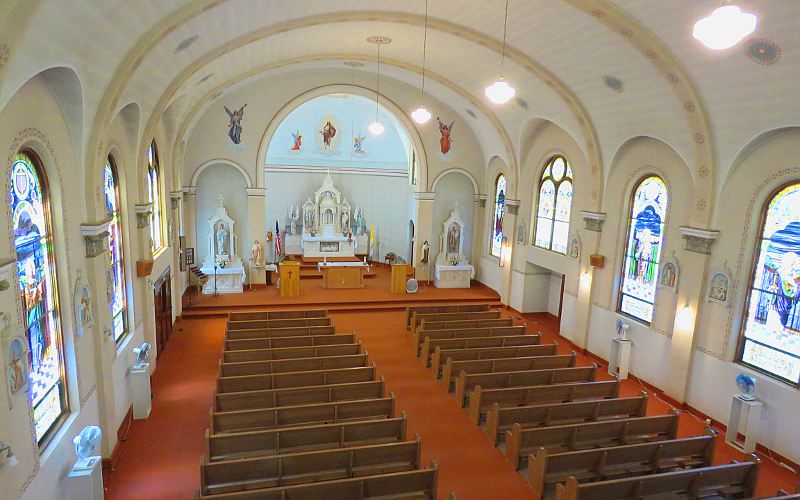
{"x": 160, "y": 459}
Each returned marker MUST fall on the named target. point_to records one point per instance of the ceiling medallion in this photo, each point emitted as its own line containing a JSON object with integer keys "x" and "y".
{"x": 353, "y": 64}
{"x": 379, "y": 40}
{"x": 522, "y": 103}
{"x": 614, "y": 83}
{"x": 186, "y": 43}
{"x": 471, "y": 113}
{"x": 763, "y": 51}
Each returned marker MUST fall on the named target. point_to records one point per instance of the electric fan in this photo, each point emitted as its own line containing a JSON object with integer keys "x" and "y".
{"x": 412, "y": 286}
{"x": 622, "y": 330}
{"x": 88, "y": 441}
{"x": 142, "y": 353}
{"x": 747, "y": 385}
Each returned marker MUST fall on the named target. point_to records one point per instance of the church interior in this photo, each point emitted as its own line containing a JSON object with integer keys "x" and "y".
{"x": 430, "y": 249}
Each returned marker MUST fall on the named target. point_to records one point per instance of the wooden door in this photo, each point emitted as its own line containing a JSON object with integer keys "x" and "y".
{"x": 162, "y": 299}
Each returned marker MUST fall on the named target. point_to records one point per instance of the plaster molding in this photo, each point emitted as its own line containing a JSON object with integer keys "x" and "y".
{"x": 95, "y": 236}
{"x": 190, "y": 191}
{"x": 143, "y": 213}
{"x": 698, "y": 240}
{"x": 480, "y": 199}
{"x": 512, "y": 206}
{"x": 176, "y": 195}
{"x": 593, "y": 220}
{"x": 424, "y": 196}
{"x": 256, "y": 192}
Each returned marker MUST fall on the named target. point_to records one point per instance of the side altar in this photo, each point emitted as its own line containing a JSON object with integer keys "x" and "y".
{"x": 452, "y": 268}
{"x": 222, "y": 264}
{"x": 329, "y": 226}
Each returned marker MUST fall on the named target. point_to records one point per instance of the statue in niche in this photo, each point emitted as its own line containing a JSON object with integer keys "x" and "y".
{"x": 345, "y": 221}
{"x": 256, "y": 253}
{"x": 235, "y": 124}
{"x": 222, "y": 240}
{"x": 360, "y": 226}
{"x": 453, "y": 238}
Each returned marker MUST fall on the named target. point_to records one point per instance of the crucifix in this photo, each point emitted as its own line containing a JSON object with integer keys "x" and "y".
{"x": 220, "y": 198}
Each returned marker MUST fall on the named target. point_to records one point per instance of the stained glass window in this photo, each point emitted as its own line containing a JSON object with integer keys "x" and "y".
{"x": 497, "y": 219}
{"x": 554, "y": 206}
{"x": 117, "y": 281}
{"x": 38, "y": 288}
{"x": 154, "y": 196}
{"x": 771, "y": 340}
{"x": 643, "y": 249}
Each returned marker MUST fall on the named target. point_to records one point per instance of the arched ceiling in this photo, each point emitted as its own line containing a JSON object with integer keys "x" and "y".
{"x": 170, "y": 56}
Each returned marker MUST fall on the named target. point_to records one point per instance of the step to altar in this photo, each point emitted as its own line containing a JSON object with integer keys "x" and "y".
{"x": 309, "y": 270}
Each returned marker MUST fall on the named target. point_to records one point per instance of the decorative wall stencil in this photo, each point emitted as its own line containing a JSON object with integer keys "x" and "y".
{"x": 446, "y": 141}
{"x": 185, "y": 44}
{"x": 82, "y": 301}
{"x": 763, "y": 51}
{"x": 669, "y": 274}
{"x": 4, "y": 53}
{"x": 471, "y": 113}
{"x": 719, "y": 284}
{"x": 689, "y": 106}
{"x": 235, "y": 123}
{"x": 297, "y": 142}
{"x": 614, "y": 83}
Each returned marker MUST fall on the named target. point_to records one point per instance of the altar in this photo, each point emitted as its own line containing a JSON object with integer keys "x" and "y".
{"x": 343, "y": 274}
{"x": 452, "y": 269}
{"x": 222, "y": 264}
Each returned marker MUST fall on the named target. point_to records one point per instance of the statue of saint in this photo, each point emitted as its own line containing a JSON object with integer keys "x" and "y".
{"x": 453, "y": 238}
{"x": 345, "y": 221}
{"x": 256, "y": 253}
{"x": 222, "y": 240}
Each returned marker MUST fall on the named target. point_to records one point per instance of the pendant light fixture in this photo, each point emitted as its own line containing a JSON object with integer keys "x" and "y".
{"x": 421, "y": 115}
{"x": 377, "y": 128}
{"x": 725, "y": 27}
{"x": 353, "y": 65}
{"x": 501, "y": 92}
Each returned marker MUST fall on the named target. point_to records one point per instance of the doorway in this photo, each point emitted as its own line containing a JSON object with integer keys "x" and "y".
{"x": 162, "y": 299}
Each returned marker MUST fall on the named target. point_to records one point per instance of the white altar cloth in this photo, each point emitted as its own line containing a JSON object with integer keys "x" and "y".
{"x": 229, "y": 280}
{"x": 321, "y": 265}
{"x": 459, "y": 276}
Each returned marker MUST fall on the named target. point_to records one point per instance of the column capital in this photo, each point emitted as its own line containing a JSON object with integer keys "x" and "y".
{"x": 175, "y": 198}
{"x": 512, "y": 205}
{"x": 7, "y": 274}
{"x": 698, "y": 240}
{"x": 425, "y": 196}
{"x": 480, "y": 199}
{"x": 257, "y": 192}
{"x": 143, "y": 213}
{"x": 94, "y": 237}
{"x": 189, "y": 190}
{"x": 593, "y": 220}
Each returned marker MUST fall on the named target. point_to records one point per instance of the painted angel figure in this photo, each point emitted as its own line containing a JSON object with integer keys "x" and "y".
{"x": 297, "y": 138}
{"x": 328, "y": 132}
{"x": 445, "y": 142}
{"x": 235, "y": 125}
{"x": 358, "y": 143}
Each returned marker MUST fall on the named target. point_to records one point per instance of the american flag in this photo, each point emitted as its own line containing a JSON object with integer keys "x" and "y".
{"x": 277, "y": 241}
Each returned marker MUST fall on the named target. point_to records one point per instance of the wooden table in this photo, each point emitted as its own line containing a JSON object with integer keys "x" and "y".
{"x": 343, "y": 276}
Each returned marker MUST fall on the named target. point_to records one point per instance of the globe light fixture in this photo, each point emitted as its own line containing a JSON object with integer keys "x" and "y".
{"x": 725, "y": 27}
{"x": 376, "y": 128}
{"x": 501, "y": 92}
{"x": 421, "y": 115}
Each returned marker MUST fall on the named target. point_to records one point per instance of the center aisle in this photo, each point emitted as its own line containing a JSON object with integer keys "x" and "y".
{"x": 468, "y": 463}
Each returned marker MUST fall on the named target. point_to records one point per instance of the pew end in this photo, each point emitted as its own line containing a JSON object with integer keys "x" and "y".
{"x": 492, "y": 423}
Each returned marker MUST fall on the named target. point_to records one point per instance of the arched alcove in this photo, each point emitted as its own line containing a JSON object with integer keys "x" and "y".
{"x": 215, "y": 180}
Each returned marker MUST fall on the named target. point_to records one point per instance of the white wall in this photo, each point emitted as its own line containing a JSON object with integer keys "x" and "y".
{"x": 554, "y": 298}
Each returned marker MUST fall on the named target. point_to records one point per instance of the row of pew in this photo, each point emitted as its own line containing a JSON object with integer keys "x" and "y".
{"x": 569, "y": 432}
{"x": 299, "y": 413}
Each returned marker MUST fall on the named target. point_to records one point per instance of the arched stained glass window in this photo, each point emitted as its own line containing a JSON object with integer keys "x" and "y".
{"x": 771, "y": 337}
{"x": 111, "y": 190}
{"x": 154, "y": 196}
{"x": 499, "y": 211}
{"x": 554, "y": 206}
{"x": 38, "y": 288}
{"x": 643, "y": 249}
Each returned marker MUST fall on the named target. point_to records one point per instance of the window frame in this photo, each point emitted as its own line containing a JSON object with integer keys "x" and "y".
{"x": 494, "y": 214}
{"x": 158, "y": 204}
{"x": 567, "y": 177}
{"x": 629, "y": 220}
{"x": 62, "y": 384}
{"x": 740, "y": 345}
{"x": 111, "y": 162}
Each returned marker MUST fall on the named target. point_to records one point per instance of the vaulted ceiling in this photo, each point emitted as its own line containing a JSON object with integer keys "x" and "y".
{"x": 603, "y": 71}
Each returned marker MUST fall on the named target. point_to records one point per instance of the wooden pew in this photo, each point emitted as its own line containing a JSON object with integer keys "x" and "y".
{"x": 307, "y": 438}
{"x": 299, "y": 415}
{"x": 417, "y": 318}
{"x": 478, "y": 342}
{"x": 261, "y": 315}
{"x": 428, "y": 336}
{"x": 498, "y": 380}
{"x": 560, "y": 438}
{"x": 737, "y": 480}
{"x": 295, "y": 379}
{"x": 783, "y": 495}
{"x": 291, "y": 365}
{"x": 295, "y": 331}
{"x": 441, "y": 356}
{"x": 546, "y": 469}
{"x": 291, "y": 353}
{"x": 277, "y": 323}
{"x": 436, "y": 327}
{"x": 272, "y": 398}
{"x": 481, "y": 400}
{"x": 411, "y": 485}
{"x": 489, "y": 360}
{"x": 499, "y": 420}
{"x": 443, "y": 308}
{"x": 308, "y": 467}
{"x": 284, "y": 342}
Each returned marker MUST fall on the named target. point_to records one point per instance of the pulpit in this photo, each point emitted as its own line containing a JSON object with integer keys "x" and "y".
{"x": 290, "y": 278}
{"x": 343, "y": 274}
{"x": 399, "y": 278}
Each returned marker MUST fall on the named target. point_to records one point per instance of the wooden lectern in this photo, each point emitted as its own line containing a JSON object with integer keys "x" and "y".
{"x": 399, "y": 278}
{"x": 290, "y": 278}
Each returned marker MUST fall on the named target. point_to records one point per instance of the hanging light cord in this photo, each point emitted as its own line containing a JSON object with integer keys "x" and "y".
{"x": 378, "y": 87}
{"x": 353, "y": 108}
{"x": 424, "y": 47}
{"x": 503, "y": 52}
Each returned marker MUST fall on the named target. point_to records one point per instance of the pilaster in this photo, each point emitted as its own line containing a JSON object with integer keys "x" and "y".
{"x": 256, "y": 227}
{"x": 424, "y": 228}
{"x": 478, "y": 227}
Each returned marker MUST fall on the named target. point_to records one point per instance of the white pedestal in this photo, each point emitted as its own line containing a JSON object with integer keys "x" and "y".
{"x": 752, "y": 426}
{"x": 229, "y": 280}
{"x": 86, "y": 479}
{"x": 620, "y": 357}
{"x": 453, "y": 276}
{"x": 140, "y": 389}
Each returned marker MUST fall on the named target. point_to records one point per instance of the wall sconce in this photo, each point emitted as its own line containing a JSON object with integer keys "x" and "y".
{"x": 7, "y": 457}
{"x": 505, "y": 251}
{"x": 685, "y": 318}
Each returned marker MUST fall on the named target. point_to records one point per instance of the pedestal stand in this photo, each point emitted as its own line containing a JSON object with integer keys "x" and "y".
{"x": 752, "y": 427}
{"x": 141, "y": 392}
{"x": 620, "y": 357}
{"x": 86, "y": 479}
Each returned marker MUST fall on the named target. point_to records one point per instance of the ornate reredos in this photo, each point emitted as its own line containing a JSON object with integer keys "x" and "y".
{"x": 452, "y": 240}
{"x": 218, "y": 222}
{"x": 328, "y": 209}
